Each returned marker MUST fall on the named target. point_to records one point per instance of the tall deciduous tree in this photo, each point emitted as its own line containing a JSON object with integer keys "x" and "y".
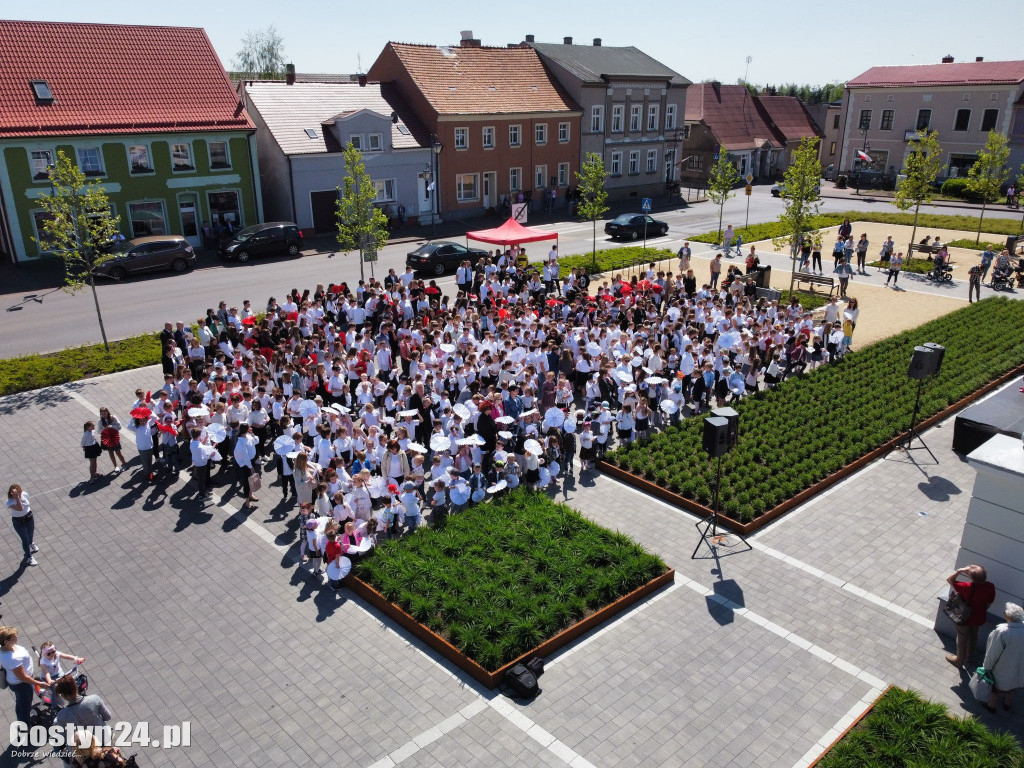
{"x": 77, "y": 225}
{"x": 989, "y": 172}
{"x": 801, "y": 199}
{"x": 924, "y": 163}
{"x": 593, "y": 197}
{"x": 361, "y": 224}
{"x": 261, "y": 54}
{"x": 722, "y": 178}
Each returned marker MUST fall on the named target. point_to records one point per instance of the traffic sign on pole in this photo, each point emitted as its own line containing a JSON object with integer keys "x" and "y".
{"x": 645, "y": 205}
{"x": 750, "y": 178}
{"x": 749, "y": 189}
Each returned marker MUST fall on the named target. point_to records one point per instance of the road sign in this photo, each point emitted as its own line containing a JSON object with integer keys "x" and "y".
{"x": 645, "y": 205}
{"x": 519, "y": 212}
{"x": 750, "y": 178}
{"x": 749, "y": 189}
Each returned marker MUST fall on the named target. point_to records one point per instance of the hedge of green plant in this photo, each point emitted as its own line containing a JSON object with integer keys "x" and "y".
{"x": 797, "y": 434}
{"x": 914, "y": 266}
{"x": 504, "y": 576}
{"x": 905, "y": 731}
{"x": 610, "y": 260}
{"x": 969, "y": 243}
{"x": 20, "y": 374}
{"x": 809, "y": 301}
{"x": 768, "y": 230}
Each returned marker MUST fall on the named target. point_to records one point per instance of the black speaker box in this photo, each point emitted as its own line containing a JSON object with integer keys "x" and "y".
{"x": 938, "y": 353}
{"x": 922, "y": 363}
{"x": 716, "y": 436}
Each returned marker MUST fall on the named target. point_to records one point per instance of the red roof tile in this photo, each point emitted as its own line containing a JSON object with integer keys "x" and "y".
{"x": 731, "y": 112}
{"x": 954, "y": 73}
{"x": 113, "y": 78}
{"x": 482, "y": 81}
{"x": 788, "y": 116}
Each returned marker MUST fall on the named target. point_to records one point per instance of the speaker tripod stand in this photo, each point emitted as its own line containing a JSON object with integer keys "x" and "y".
{"x": 709, "y": 535}
{"x": 906, "y": 445}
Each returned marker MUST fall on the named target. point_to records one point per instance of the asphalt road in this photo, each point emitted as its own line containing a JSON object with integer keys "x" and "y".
{"x": 50, "y": 319}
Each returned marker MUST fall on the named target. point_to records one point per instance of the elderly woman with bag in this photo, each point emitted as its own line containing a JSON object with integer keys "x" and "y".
{"x": 1004, "y": 658}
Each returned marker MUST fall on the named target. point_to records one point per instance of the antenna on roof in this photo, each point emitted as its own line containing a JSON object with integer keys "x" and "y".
{"x": 747, "y": 69}
{"x": 359, "y": 63}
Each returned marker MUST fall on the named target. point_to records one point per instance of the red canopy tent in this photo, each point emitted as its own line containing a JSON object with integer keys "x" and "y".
{"x": 510, "y": 233}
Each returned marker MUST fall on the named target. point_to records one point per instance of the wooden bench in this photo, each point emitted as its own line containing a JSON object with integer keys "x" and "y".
{"x": 931, "y": 250}
{"x": 813, "y": 280}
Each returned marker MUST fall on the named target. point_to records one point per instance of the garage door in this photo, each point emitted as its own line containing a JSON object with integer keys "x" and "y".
{"x": 323, "y": 204}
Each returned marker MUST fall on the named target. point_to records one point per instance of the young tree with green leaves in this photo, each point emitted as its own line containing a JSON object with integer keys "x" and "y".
{"x": 923, "y": 166}
{"x": 593, "y": 197}
{"x": 361, "y": 224}
{"x": 77, "y": 225}
{"x": 722, "y": 178}
{"x": 986, "y": 177}
{"x": 801, "y": 199}
{"x": 261, "y": 54}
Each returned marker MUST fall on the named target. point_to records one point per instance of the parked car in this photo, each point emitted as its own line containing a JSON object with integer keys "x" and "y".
{"x": 148, "y": 254}
{"x": 441, "y": 256}
{"x": 779, "y": 187}
{"x": 262, "y": 240}
{"x": 631, "y": 226}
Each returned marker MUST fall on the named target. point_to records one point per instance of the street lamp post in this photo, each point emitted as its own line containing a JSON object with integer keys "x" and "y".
{"x": 435, "y": 148}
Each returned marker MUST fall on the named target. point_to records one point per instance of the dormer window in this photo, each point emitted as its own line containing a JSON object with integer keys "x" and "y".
{"x": 41, "y": 89}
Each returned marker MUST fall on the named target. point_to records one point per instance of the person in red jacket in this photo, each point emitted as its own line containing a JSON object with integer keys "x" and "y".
{"x": 979, "y": 593}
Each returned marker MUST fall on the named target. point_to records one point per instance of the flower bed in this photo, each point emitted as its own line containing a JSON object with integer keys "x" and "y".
{"x": 801, "y": 436}
{"x": 502, "y": 578}
{"x": 902, "y": 730}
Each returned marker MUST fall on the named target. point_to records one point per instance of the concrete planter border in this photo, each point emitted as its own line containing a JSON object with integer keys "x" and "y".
{"x": 849, "y": 728}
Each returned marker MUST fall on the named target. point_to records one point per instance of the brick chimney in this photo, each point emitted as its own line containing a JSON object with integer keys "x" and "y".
{"x": 947, "y": 59}
{"x": 566, "y": 41}
{"x": 979, "y": 58}
{"x": 361, "y": 78}
{"x": 289, "y": 74}
{"x": 468, "y": 41}
{"x": 597, "y": 42}
{"x": 530, "y": 38}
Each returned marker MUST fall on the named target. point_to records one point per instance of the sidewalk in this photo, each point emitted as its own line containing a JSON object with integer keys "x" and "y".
{"x": 829, "y": 190}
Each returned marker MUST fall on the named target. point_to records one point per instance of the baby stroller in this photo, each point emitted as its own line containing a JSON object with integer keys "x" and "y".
{"x": 44, "y": 712}
{"x": 941, "y": 273}
{"x": 1002, "y": 279}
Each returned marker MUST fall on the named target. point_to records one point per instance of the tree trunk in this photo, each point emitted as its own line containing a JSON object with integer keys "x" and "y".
{"x": 361, "y": 276}
{"x": 99, "y": 315}
{"x": 721, "y": 209}
{"x": 913, "y": 234}
{"x": 984, "y": 204}
{"x": 593, "y": 250}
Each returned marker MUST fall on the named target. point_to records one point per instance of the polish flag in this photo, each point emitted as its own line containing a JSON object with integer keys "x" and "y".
{"x": 864, "y": 156}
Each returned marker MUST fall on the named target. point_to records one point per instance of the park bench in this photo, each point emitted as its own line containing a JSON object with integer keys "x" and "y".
{"x": 813, "y": 280}
{"x": 931, "y": 250}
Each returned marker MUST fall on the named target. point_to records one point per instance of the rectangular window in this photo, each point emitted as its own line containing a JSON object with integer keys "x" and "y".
{"x": 618, "y": 117}
{"x": 652, "y": 160}
{"x": 515, "y": 135}
{"x": 670, "y": 117}
{"x": 488, "y": 137}
{"x": 375, "y": 142}
{"x": 219, "y": 155}
{"x": 634, "y": 162}
{"x": 540, "y": 173}
{"x": 181, "y": 157}
{"x": 39, "y": 219}
{"x": 963, "y": 120}
{"x": 634, "y": 117}
{"x": 597, "y": 118}
{"x": 41, "y": 161}
{"x": 90, "y": 161}
{"x": 887, "y": 118}
{"x": 615, "y": 167}
{"x": 468, "y": 186}
{"x": 147, "y": 218}
{"x": 652, "y": 117}
{"x": 696, "y": 162}
{"x": 960, "y": 164}
{"x": 461, "y": 138}
{"x": 988, "y": 119}
{"x": 515, "y": 179}
{"x": 832, "y": 149}
{"x": 835, "y": 122}
{"x": 224, "y": 208}
{"x": 138, "y": 159}
{"x": 924, "y": 119}
{"x": 865, "y": 119}
{"x": 385, "y": 190}
{"x": 563, "y": 174}
{"x": 356, "y": 140}
{"x": 563, "y": 133}
{"x": 540, "y": 133}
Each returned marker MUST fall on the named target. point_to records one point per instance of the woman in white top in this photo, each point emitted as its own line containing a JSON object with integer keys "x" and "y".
{"x": 22, "y": 520}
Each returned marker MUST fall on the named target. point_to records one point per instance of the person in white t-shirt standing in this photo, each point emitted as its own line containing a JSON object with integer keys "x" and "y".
{"x": 23, "y": 522}
{"x": 17, "y": 665}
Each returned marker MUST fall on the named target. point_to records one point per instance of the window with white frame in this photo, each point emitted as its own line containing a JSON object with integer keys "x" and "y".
{"x": 615, "y": 167}
{"x": 597, "y": 118}
{"x": 563, "y": 174}
{"x": 41, "y": 161}
{"x": 147, "y": 218}
{"x": 618, "y": 117}
{"x": 887, "y": 119}
{"x": 563, "y": 133}
{"x": 515, "y": 135}
{"x": 515, "y": 179}
{"x": 487, "y": 137}
{"x": 696, "y": 162}
{"x": 634, "y": 116}
{"x": 963, "y": 120}
{"x": 462, "y": 138}
{"x": 540, "y": 173}
{"x": 356, "y": 140}
{"x": 540, "y": 133}
{"x": 652, "y": 160}
{"x": 385, "y": 190}
{"x": 634, "y": 161}
{"x": 652, "y": 117}
{"x": 468, "y": 186}
{"x": 90, "y": 161}
{"x": 39, "y": 219}
{"x": 670, "y": 117}
{"x": 375, "y": 142}
{"x": 219, "y": 158}
{"x": 924, "y": 119}
{"x": 181, "y": 157}
{"x": 139, "y": 160}
{"x": 989, "y": 118}
{"x": 865, "y": 119}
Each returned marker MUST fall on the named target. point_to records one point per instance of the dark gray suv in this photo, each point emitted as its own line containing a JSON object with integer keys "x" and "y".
{"x": 263, "y": 240}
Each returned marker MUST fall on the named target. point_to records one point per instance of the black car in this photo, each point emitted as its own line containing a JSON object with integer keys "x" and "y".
{"x": 442, "y": 256}
{"x": 631, "y": 226}
{"x": 262, "y": 240}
